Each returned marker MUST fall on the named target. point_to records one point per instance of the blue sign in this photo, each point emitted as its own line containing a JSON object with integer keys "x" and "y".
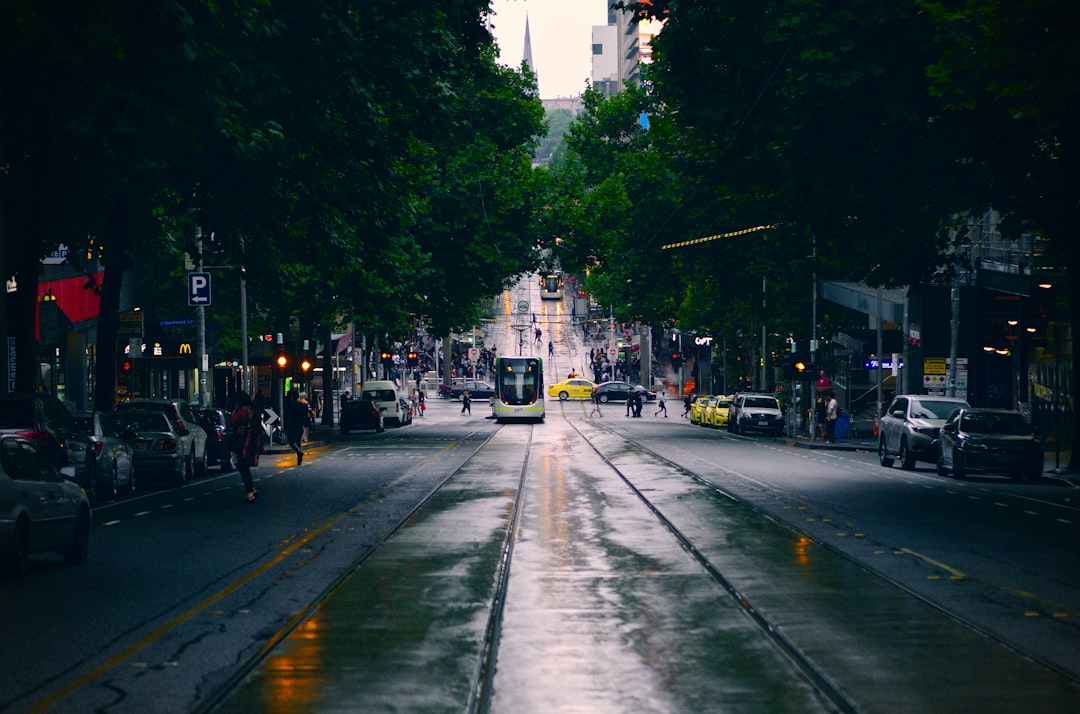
{"x": 887, "y": 364}
{"x": 198, "y": 289}
{"x": 183, "y": 322}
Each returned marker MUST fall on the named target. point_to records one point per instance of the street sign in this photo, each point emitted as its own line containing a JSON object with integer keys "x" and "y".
{"x": 474, "y": 354}
{"x": 198, "y": 289}
{"x": 523, "y": 307}
{"x": 612, "y": 352}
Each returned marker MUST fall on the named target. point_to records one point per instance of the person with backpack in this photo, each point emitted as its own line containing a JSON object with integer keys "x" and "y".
{"x": 246, "y": 440}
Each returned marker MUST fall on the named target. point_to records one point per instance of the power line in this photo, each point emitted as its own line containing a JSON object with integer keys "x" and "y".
{"x": 744, "y": 231}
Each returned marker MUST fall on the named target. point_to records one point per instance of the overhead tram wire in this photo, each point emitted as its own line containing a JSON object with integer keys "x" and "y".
{"x": 706, "y": 239}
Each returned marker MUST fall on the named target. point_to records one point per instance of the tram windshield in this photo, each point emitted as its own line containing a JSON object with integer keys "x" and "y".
{"x": 520, "y": 380}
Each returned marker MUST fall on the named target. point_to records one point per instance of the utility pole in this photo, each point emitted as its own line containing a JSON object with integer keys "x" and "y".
{"x": 200, "y": 326}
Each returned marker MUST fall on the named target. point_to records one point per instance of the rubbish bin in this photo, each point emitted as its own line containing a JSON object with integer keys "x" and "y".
{"x": 843, "y": 426}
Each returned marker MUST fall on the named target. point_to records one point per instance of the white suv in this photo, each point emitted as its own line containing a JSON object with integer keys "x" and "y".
{"x": 755, "y": 412}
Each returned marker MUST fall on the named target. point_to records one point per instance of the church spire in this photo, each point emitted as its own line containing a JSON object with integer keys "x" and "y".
{"x": 527, "y": 57}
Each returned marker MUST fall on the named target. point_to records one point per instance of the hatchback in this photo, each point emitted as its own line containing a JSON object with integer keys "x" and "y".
{"x": 40, "y": 510}
{"x": 215, "y": 422}
{"x": 575, "y": 388}
{"x": 158, "y": 447}
{"x": 113, "y": 457}
{"x": 618, "y": 391}
{"x": 360, "y": 414}
{"x": 184, "y": 424}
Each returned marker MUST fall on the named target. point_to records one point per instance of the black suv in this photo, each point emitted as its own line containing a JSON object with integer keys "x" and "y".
{"x": 44, "y": 420}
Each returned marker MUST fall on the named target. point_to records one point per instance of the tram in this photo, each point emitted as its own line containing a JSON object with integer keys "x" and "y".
{"x": 519, "y": 389}
{"x": 551, "y": 286}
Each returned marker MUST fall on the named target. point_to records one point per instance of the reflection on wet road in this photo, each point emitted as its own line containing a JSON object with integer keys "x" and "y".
{"x": 631, "y": 587}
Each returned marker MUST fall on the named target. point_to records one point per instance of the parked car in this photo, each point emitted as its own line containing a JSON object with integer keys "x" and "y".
{"x": 989, "y": 440}
{"x": 114, "y": 461}
{"x": 756, "y": 412}
{"x": 215, "y": 422}
{"x": 361, "y": 414}
{"x": 476, "y": 389}
{"x": 45, "y": 420}
{"x": 910, "y": 427}
{"x": 716, "y": 413}
{"x": 184, "y": 424}
{"x": 697, "y": 408}
{"x": 619, "y": 391}
{"x": 575, "y": 388}
{"x": 40, "y": 509}
{"x": 159, "y": 447}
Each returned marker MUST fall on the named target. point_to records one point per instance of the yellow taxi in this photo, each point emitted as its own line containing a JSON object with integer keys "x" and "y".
{"x": 697, "y": 409}
{"x": 716, "y": 413}
{"x": 576, "y": 388}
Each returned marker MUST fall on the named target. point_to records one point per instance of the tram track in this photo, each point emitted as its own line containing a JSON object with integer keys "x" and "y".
{"x": 769, "y": 629}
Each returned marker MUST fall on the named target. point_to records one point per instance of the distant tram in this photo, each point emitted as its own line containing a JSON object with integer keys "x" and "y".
{"x": 551, "y": 286}
{"x": 519, "y": 389}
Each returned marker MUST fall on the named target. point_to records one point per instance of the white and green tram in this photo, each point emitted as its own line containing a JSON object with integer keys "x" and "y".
{"x": 519, "y": 389}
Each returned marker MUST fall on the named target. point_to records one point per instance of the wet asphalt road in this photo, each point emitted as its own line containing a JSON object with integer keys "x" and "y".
{"x": 598, "y": 565}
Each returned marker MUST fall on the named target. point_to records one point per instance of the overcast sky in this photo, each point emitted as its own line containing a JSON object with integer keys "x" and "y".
{"x": 561, "y": 32}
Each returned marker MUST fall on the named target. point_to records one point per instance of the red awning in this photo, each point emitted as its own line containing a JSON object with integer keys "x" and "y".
{"x": 79, "y": 298}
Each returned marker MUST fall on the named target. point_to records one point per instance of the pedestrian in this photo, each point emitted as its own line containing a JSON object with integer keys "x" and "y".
{"x": 687, "y": 402}
{"x": 246, "y": 440}
{"x": 421, "y": 402}
{"x": 629, "y": 404}
{"x": 595, "y": 403}
{"x": 295, "y": 421}
{"x": 639, "y": 402}
{"x": 466, "y": 402}
{"x": 551, "y": 348}
{"x": 539, "y": 334}
{"x": 821, "y": 412}
{"x": 661, "y": 407}
{"x": 832, "y": 412}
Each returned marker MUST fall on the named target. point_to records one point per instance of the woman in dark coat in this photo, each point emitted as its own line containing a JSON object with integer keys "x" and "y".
{"x": 247, "y": 440}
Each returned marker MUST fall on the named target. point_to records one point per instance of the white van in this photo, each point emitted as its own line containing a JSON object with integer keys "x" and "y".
{"x": 385, "y": 395}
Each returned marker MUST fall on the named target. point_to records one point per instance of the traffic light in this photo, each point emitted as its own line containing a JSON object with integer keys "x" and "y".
{"x": 282, "y": 359}
{"x": 387, "y": 358}
{"x": 801, "y": 366}
{"x": 305, "y": 365}
{"x": 788, "y": 362}
{"x": 676, "y": 359}
{"x": 414, "y": 359}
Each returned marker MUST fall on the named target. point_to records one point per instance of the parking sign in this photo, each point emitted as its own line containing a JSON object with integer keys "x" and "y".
{"x": 198, "y": 289}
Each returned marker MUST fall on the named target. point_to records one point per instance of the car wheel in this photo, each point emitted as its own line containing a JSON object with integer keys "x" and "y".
{"x": 941, "y": 470}
{"x": 78, "y": 549}
{"x": 109, "y": 487}
{"x": 19, "y": 557}
{"x": 563, "y": 396}
{"x": 131, "y": 481}
{"x": 907, "y": 459}
{"x": 200, "y": 465}
{"x": 183, "y": 472}
{"x": 883, "y": 454}
{"x": 603, "y": 399}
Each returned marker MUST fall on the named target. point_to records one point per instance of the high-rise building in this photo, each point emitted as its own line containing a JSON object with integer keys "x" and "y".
{"x": 619, "y": 49}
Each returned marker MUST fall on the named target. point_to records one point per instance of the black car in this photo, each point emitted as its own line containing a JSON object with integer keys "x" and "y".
{"x": 360, "y": 414}
{"x": 475, "y": 388}
{"x": 45, "y": 420}
{"x": 215, "y": 422}
{"x": 990, "y": 440}
{"x": 618, "y": 391}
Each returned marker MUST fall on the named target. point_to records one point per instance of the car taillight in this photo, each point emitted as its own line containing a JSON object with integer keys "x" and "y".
{"x": 34, "y": 435}
{"x": 218, "y": 436}
{"x": 99, "y": 446}
{"x": 166, "y": 445}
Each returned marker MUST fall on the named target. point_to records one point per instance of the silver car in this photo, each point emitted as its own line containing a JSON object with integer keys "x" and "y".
{"x": 184, "y": 423}
{"x": 40, "y": 509}
{"x": 909, "y": 428}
